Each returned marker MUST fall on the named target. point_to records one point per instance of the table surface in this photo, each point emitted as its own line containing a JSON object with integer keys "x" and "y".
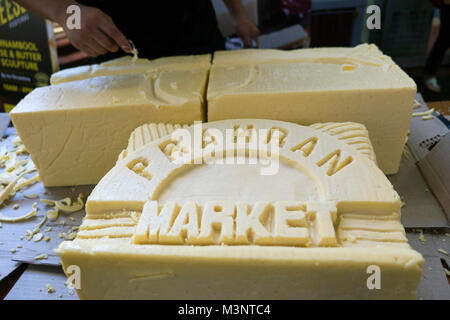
{"x": 29, "y": 281}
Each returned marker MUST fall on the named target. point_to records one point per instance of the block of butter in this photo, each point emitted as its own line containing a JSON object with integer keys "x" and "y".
{"x": 127, "y": 65}
{"x": 306, "y": 86}
{"x": 243, "y": 209}
{"x": 75, "y": 130}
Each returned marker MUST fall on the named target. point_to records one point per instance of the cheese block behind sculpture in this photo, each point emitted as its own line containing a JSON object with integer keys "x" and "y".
{"x": 243, "y": 209}
{"x": 74, "y": 131}
{"x": 317, "y": 85}
{"x": 127, "y": 65}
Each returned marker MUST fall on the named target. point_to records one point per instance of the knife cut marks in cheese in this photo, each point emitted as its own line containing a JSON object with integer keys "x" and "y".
{"x": 222, "y": 229}
{"x": 75, "y": 130}
{"x": 125, "y": 65}
{"x": 309, "y": 86}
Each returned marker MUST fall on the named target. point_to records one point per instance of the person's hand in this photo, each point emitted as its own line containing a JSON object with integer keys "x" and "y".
{"x": 247, "y": 31}
{"x": 98, "y": 33}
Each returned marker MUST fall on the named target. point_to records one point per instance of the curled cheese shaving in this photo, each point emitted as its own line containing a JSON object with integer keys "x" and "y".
{"x": 71, "y": 236}
{"x": 425, "y": 113}
{"x": 38, "y": 237}
{"x": 53, "y": 214}
{"x": 21, "y": 150}
{"x": 42, "y": 256}
{"x": 16, "y": 141}
{"x": 6, "y": 192}
{"x": 135, "y": 53}
{"x": 40, "y": 224}
{"x": 27, "y": 182}
{"x": 31, "y": 196}
{"x": 66, "y": 204}
{"x": 32, "y": 213}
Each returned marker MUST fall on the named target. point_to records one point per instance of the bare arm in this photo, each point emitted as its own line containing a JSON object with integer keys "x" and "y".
{"x": 245, "y": 28}
{"x": 98, "y": 33}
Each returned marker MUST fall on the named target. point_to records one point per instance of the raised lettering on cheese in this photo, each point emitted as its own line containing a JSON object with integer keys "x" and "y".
{"x": 166, "y": 222}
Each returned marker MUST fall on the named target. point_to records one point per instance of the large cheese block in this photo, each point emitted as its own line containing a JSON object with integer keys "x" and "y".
{"x": 127, "y": 65}
{"x": 306, "y": 86}
{"x": 75, "y": 130}
{"x": 243, "y": 209}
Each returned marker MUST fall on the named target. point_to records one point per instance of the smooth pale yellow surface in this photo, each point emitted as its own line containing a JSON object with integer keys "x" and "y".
{"x": 125, "y": 65}
{"x": 317, "y": 85}
{"x": 114, "y": 269}
{"x": 74, "y": 131}
{"x": 117, "y": 261}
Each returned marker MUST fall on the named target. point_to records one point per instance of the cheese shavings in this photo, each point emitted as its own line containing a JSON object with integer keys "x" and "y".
{"x": 21, "y": 150}
{"x": 428, "y": 117}
{"x": 27, "y": 182}
{"x": 422, "y": 237}
{"x": 40, "y": 224}
{"x": 6, "y": 192}
{"x": 32, "y": 213}
{"x": 66, "y": 204}
{"x": 38, "y": 237}
{"x": 16, "y": 141}
{"x": 135, "y": 53}
{"x": 425, "y": 113}
{"x": 53, "y": 214}
{"x": 31, "y": 196}
{"x": 72, "y": 235}
{"x": 42, "y": 256}
{"x": 50, "y": 288}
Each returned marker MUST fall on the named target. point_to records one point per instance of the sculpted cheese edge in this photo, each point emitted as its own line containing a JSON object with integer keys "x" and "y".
{"x": 244, "y": 209}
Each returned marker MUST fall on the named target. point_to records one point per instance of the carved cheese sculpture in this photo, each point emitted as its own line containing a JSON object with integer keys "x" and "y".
{"x": 244, "y": 209}
{"x": 75, "y": 130}
{"x": 306, "y": 86}
{"x": 126, "y": 65}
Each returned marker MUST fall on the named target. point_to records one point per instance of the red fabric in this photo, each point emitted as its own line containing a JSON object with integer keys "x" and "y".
{"x": 294, "y": 7}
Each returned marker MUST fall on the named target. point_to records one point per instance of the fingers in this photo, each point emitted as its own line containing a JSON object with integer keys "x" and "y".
{"x": 109, "y": 29}
{"x": 248, "y": 32}
{"x": 88, "y": 50}
{"x": 98, "y": 34}
{"x": 105, "y": 41}
{"x": 247, "y": 40}
{"x": 96, "y": 46}
{"x": 255, "y": 37}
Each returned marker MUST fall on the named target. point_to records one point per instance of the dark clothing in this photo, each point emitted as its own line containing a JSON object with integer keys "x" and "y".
{"x": 440, "y": 3}
{"x": 164, "y": 28}
{"x": 441, "y": 45}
